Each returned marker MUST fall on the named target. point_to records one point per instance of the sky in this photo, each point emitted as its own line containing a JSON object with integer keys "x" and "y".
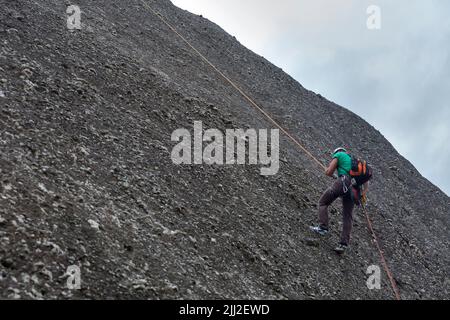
{"x": 396, "y": 76}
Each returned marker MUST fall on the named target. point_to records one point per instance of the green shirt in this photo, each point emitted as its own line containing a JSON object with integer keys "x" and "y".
{"x": 344, "y": 163}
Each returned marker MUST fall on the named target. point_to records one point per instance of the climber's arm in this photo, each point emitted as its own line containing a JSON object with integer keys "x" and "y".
{"x": 332, "y": 167}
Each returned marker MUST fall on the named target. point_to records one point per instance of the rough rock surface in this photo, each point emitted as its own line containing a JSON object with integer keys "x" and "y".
{"x": 86, "y": 176}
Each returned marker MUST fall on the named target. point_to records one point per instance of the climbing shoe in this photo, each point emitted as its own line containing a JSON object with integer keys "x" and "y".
{"x": 341, "y": 248}
{"x": 319, "y": 230}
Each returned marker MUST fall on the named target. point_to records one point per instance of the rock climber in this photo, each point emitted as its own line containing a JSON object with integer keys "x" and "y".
{"x": 342, "y": 187}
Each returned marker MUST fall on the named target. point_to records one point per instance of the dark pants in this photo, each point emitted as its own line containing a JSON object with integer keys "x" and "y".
{"x": 335, "y": 191}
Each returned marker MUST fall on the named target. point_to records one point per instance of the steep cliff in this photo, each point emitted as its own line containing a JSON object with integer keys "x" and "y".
{"x": 86, "y": 176}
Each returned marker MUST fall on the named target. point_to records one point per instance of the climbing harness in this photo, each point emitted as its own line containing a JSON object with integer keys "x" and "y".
{"x": 345, "y": 188}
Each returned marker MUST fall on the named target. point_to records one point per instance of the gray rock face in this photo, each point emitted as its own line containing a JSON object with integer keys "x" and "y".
{"x": 86, "y": 177}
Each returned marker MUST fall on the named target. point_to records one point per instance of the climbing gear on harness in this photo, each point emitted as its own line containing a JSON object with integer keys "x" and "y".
{"x": 345, "y": 188}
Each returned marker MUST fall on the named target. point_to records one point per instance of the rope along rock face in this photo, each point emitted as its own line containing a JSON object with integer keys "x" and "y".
{"x": 291, "y": 137}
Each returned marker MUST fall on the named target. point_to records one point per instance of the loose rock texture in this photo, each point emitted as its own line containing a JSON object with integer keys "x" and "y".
{"x": 86, "y": 177}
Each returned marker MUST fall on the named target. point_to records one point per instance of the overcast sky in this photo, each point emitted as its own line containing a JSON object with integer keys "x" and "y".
{"x": 397, "y": 77}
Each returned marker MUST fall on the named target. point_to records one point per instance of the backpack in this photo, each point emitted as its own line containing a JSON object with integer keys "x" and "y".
{"x": 360, "y": 173}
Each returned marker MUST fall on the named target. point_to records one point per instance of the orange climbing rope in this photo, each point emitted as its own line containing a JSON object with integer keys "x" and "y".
{"x": 383, "y": 260}
{"x": 296, "y": 142}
